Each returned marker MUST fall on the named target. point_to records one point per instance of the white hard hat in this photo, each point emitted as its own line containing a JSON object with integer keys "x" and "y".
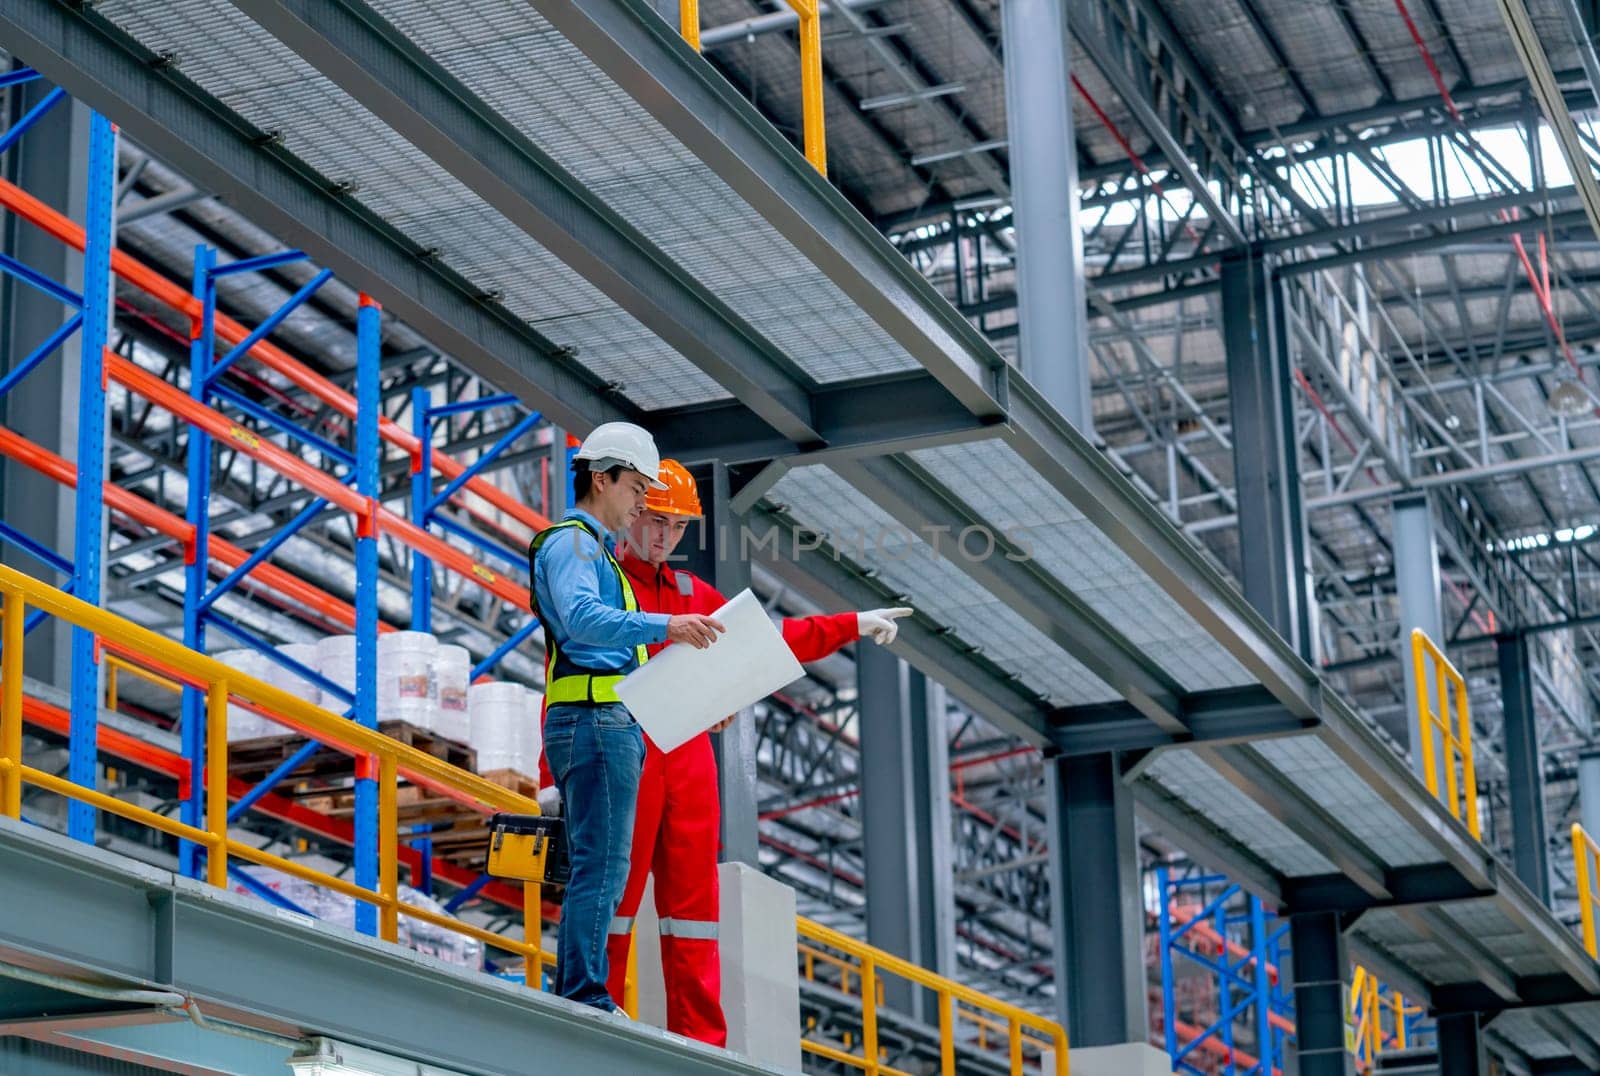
{"x": 614, "y": 443}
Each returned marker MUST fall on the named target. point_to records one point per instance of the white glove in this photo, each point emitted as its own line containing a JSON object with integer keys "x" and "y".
{"x": 880, "y": 623}
{"x": 550, "y": 800}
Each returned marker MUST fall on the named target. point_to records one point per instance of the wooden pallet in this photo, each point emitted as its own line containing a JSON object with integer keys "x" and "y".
{"x": 514, "y": 781}
{"x": 324, "y": 783}
{"x": 251, "y": 760}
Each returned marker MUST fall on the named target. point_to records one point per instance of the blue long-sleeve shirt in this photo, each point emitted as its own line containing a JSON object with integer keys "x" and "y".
{"x": 580, "y": 600}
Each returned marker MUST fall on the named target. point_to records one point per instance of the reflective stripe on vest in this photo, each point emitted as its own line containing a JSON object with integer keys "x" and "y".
{"x": 689, "y": 928}
{"x": 580, "y": 687}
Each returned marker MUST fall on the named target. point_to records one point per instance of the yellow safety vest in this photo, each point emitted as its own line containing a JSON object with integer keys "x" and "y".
{"x": 566, "y": 682}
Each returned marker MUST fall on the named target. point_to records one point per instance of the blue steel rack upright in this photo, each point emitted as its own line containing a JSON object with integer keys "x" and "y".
{"x": 91, "y": 320}
{"x": 1248, "y": 987}
{"x": 425, "y": 505}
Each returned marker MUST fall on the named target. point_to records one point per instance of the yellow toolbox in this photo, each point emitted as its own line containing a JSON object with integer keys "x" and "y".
{"x": 529, "y": 847}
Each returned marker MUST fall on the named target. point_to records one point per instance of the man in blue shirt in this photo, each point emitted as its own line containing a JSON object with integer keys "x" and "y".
{"x": 594, "y": 636}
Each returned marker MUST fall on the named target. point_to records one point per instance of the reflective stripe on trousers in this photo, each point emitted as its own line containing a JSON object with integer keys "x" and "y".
{"x": 622, "y": 924}
{"x": 688, "y": 928}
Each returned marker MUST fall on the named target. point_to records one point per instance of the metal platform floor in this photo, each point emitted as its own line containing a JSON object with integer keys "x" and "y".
{"x": 92, "y": 916}
{"x": 570, "y": 201}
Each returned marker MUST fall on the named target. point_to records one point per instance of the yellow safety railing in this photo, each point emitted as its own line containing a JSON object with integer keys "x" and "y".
{"x": 1586, "y": 858}
{"x": 811, "y": 101}
{"x": 114, "y": 664}
{"x": 1439, "y": 697}
{"x": 375, "y": 754}
{"x": 956, "y": 1001}
{"x": 1365, "y": 1034}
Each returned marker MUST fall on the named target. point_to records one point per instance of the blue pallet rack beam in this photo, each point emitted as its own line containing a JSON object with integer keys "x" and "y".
{"x": 40, "y": 282}
{"x": 40, "y": 353}
{"x": 31, "y": 117}
{"x": 260, "y": 332}
{"x": 518, "y": 430}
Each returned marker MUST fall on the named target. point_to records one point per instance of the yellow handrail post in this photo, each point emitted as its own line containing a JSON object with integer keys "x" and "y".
{"x": 1449, "y": 747}
{"x": 1584, "y": 853}
{"x": 869, "y": 1014}
{"x": 947, "y": 1035}
{"x": 1430, "y": 774}
{"x": 1469, "y": 774}
{"x": 1059, "y": 1048}
{"x": 630, "y": 980}
{"x": 689, "y": 22}
{"x": 11, "y": 705}
{"x": 111, "y": 683}
{"x": 388, "y": 848}
{"x": 1015, "y": 1033}
{"x": 1449, "y": 686}
{"x": 533, "y": 933}
{"x": 811, "y": 107}
{"x": 217, "y": 783}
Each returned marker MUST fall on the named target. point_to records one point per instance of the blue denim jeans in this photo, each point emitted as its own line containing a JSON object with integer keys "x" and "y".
{"x": 596, "y": 754}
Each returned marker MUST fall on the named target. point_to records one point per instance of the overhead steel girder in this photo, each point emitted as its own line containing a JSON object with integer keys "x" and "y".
{"x": 646, "y": 57}
{"x": 1089, "y": 481}
{"x": 1246, "y": 769}
{"x": 1431, "y": 883}
{"x": 390, "y": 76}
{"x": 1229, "y": 715}
{"x": 85, "y": 913}
{"x": 168, "y": 115}
{"x": 1105, "y": 58}
{"x": 917, "y": 501}
{"x": 866, "y": 416}
{"x": 822, "y": 576}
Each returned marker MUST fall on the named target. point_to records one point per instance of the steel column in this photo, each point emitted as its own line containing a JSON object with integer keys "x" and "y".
{"x": 1460, "y": 1046}
{"x": 1531, "y": 857}
{"x": 715, "y": 555}
{"x": 1265, "y": 457}
{"x": 51, "y": 163}
{"x": 1316, "y": 948}
{"x": 368, "y": 450}
{"x": 89, "y": 539}
{"x": 1416, "y": 569}
{"x": 1054, "y": 338}
{"x": 1096, "y": 909}
{"x": 905, "y": 822}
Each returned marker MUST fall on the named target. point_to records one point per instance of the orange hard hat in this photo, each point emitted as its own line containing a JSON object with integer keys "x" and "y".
{"x": 681, "y": 497}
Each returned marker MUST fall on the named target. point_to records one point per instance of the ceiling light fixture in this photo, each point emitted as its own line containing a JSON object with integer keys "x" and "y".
{"x": 1569, "y": 398}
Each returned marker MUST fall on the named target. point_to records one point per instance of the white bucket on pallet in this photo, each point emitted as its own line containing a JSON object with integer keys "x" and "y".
{"x": 452, "y": 669}
{"x": 246, "y": 724}
{"x": 336, "y": 661}
{"x": 406, "y": 688}
{"x": 499, "y": 718}
{"x": 287, "y": 680}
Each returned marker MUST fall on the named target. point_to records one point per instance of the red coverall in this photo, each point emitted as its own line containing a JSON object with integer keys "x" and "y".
{"x": 675, "y": 832}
